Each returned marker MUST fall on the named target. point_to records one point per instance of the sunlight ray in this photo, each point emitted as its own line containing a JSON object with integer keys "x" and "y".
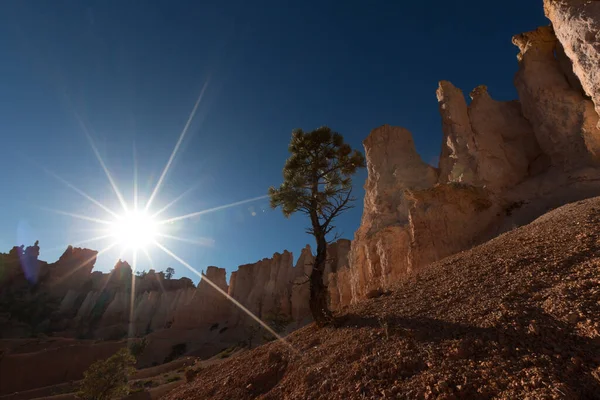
{"x": 218, "y": 289}
{"x": 197, "y": 213}
{"x": 176, "y": 148}
{"x": 106, "y": 280}
{"x": 84, "y": 217}
{"x": 135, "y": 179}
{"x": 119, "y": 257}
{"x": 101, "y": 161}
{"x": 147, "y": 254}
{"x": 160, "y": 284}
{"x": 81, "y": 265}
{"x": 170, "y": 204}
{"x": 132, "y": 298}
{"x": 74, "y": 230}
{"x": 84, "y": 241}
{"x": 200, "y": 241}
{"x": 81, "y": 192}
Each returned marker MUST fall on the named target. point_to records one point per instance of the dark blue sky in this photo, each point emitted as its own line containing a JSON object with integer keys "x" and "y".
{"x": 133, "y": 70}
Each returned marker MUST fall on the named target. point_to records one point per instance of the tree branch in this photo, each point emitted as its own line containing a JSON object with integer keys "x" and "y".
{"x": 336, "y": 166}
{"x": 340, "y": 207}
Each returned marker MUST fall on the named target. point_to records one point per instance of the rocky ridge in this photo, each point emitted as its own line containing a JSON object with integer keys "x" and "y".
{"x": 66, "y": 299}
{"x": 515, "y": 318}
{"x": 502, "y": 164}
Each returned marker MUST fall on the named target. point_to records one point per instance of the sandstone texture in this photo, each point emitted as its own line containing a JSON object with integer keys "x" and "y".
{"x": 577, "y": 27}
{"x": 501, "y": 164}
{"x": 67, "y": 299}
{"x": 381, "y": 243}
{"x": 563, "y": 119}
{"x": 515, "y": 318}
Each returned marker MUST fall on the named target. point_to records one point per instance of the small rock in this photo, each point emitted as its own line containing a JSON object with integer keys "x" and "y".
{"x": 443, "y": 386}
{"x": 374, "y": 293}
{"x": 572, "y": 318}
{"x": 533, "y": 328}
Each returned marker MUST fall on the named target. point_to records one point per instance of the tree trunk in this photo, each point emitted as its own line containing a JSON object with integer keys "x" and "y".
{"x": 318, "y": 291}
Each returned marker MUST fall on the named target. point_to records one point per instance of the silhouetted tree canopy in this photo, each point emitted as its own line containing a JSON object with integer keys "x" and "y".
{"x": 317, "y": 181}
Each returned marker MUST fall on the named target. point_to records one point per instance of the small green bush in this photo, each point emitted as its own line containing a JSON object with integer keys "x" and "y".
{"x": 137, "y": 347}
{"x": 276, "y": 321}
{"x": 173, "y": 378}
{"x": 108, "y": 379}
{"x": 227, "y": 352}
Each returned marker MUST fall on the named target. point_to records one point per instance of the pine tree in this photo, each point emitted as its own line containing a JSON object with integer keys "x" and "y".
{"x": 317, "y": 181}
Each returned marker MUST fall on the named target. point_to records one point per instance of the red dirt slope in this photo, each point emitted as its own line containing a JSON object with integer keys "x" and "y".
{"x": 515, "y": 318}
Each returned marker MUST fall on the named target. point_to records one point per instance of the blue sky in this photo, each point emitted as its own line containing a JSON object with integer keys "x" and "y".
{"x": 131, "y": 71}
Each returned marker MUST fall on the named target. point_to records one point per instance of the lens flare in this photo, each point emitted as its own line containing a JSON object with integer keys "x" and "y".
{"x": 134, "y": 230}
{"x": 138, "y": 229}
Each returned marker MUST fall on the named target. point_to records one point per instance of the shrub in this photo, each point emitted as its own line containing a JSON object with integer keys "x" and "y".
{"x": 108, "y": 379}
{"x": 191, "y": 373}
{"x": 276, "y": 321}
{"x": 227, "y": 352}
{"x": 251, "y": 331}
{"x": 137, "y": 347}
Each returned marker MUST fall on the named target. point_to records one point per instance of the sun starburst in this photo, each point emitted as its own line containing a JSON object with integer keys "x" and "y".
{"x": 137, "y": 228}
{"x": 134, "y": 230}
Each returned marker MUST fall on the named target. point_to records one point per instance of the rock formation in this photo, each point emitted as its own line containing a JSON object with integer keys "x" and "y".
{"x": 67, "y": 299}
{"x": 264, "y": 287}
{"x": 501, "y": 165}
{"x": 381, "y": 242}
{"x": 577, "y": 26}
{"x": 563, "y": 120}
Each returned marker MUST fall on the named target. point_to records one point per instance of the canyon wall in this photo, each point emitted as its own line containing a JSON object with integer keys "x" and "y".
{"x": 67, "y": 299}
{"x": 502, "y": 164}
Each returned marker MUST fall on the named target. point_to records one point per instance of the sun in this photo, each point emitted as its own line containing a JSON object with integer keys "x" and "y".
{"x": 134, "y": 230}
{"x": 139, "y": 229}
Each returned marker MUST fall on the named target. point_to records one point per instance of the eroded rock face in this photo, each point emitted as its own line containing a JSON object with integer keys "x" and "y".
{"x": 72, "y": 269}
{"x": 208, "y": 305}
{"x": 446, "y": 219}
{"x": 564, "y": 122}
{"x": 457, "y": 162}
{"x": 505, "y": 144}
{"x": 337, "y": 260}
{"x": 488, "y": 143}
{"x": 502, "y": 163}
{"x": 301, "y": 286}
{"x": 393, "y": 165}
{"x": 264, "y": 287}
{"x": 577, "y": 26}
{"x": 169, "y": 313}
{"x": 380, "y": 244}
